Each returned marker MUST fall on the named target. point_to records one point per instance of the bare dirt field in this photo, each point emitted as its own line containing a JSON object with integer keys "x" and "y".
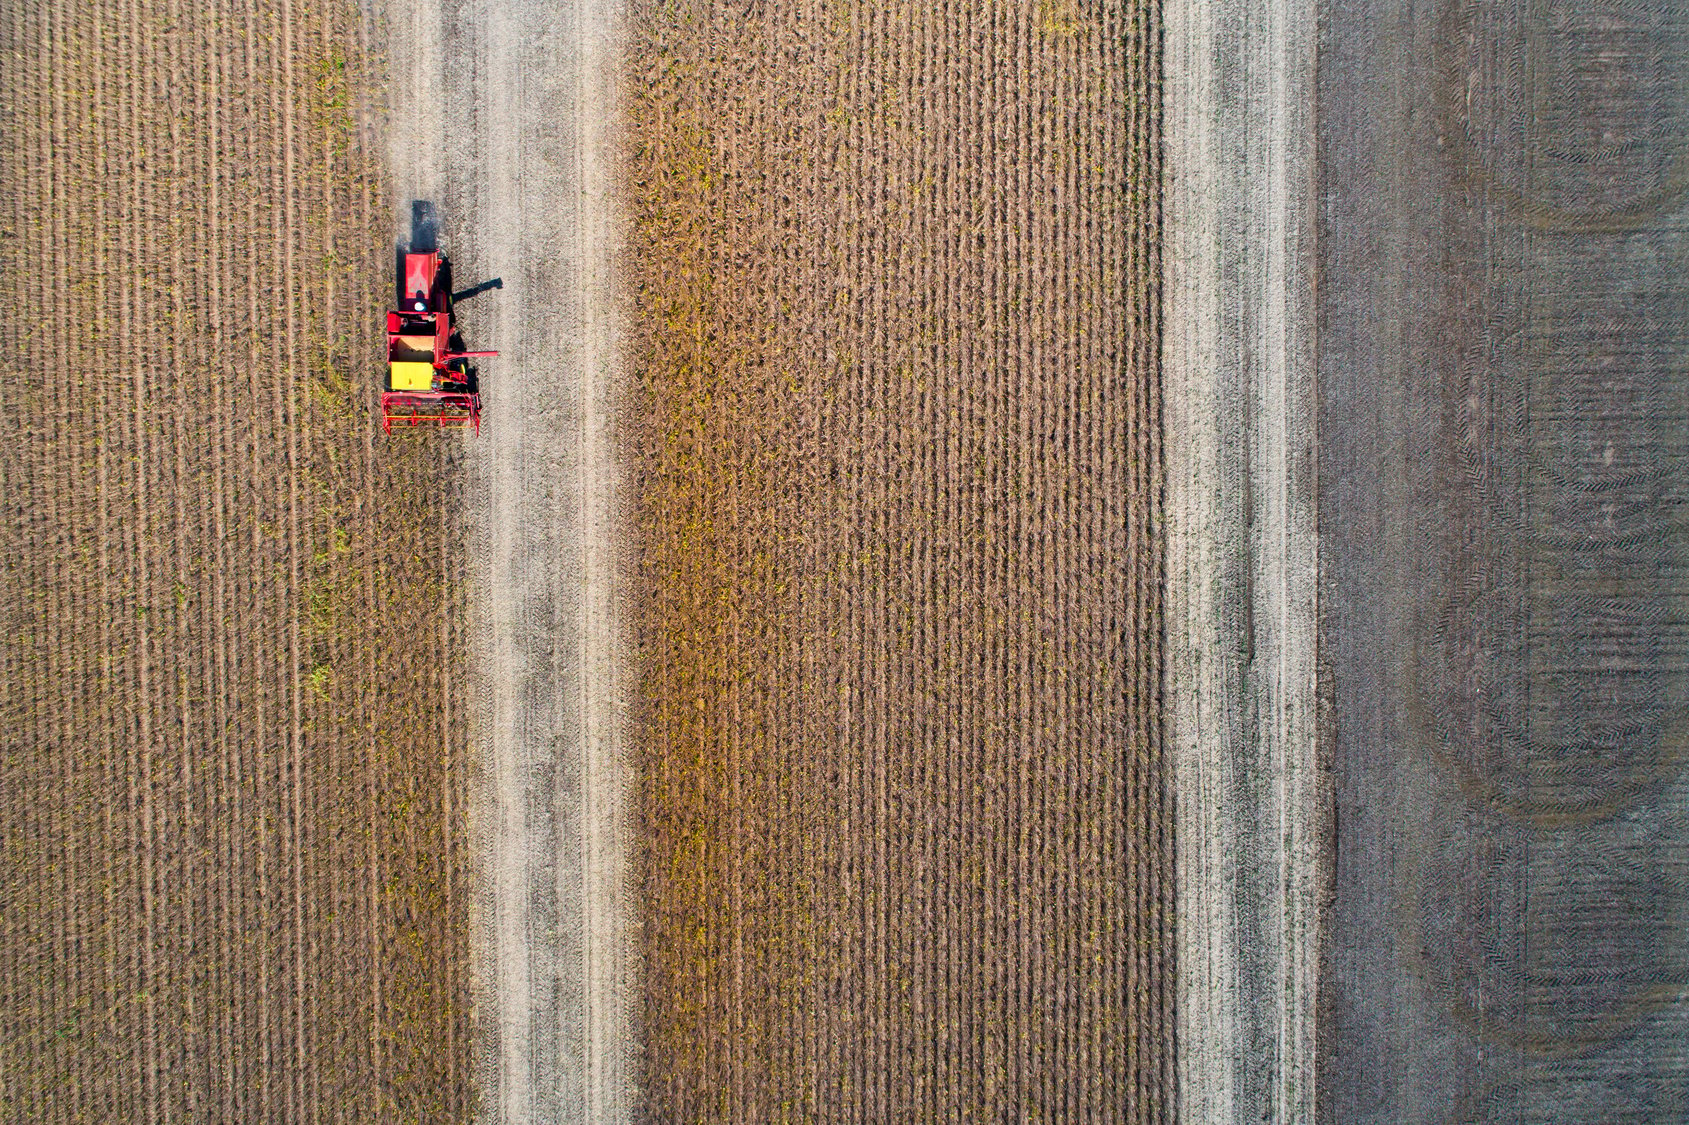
{"x": 525, "y": 94}
{"x": 902, "y": 801}
{"x": 232, "y": 861}
{"x": 1504, "y": 423}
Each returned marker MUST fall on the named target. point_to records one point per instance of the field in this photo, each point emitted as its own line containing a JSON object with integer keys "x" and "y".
{"x": 232, "y": 870}
{"x": 902, "y": 814}
{"x": 1504, "y": 563}
{"x": 902, "y": 801}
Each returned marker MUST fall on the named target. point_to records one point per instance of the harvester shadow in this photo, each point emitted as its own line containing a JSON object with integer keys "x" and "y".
{"x": 476, "y": 290}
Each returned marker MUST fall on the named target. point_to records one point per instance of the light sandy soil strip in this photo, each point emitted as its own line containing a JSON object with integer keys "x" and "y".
{"x": 1241, "y": 609}
{"x": 525, "y": 95}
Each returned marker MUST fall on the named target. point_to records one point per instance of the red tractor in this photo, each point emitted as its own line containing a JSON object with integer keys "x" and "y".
{"x": 429, "y": 379}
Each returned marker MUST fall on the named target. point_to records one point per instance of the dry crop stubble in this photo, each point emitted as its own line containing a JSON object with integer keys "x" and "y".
{"x": 907, "y": 838}
{"x": 233, "y": 767}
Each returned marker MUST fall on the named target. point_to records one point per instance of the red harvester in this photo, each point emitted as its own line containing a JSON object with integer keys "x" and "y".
{"x": 429, "y": 379}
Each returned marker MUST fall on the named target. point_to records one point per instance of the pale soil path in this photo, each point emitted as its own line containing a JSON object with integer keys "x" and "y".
{"x": 524, "y": 95}
{"x": 1241, "y": 545}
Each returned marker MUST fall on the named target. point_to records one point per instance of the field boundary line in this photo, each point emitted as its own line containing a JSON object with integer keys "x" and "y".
{"x": 611, "y": 977}
{"x": 1242, "y": 596}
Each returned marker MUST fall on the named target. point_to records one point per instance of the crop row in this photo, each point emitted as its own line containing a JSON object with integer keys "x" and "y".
{"x": 902, "y": 792}
{"x": 232, "y": 790}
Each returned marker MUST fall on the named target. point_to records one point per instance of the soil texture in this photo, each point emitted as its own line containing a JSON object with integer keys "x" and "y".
{"x": 1505, "y": 469}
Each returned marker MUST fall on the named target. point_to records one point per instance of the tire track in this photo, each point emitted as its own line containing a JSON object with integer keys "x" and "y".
{"x": 1541, "y": 694}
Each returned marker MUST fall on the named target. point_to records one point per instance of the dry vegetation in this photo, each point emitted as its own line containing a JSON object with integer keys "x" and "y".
{"x": 902, "y": 799}
{"x": 232, "y": 781}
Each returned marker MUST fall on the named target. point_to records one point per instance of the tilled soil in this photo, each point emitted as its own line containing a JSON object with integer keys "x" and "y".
{"x": 231, "y": 796}
{"x": 905, "y": 820}
{"x": 1505, "y": 426}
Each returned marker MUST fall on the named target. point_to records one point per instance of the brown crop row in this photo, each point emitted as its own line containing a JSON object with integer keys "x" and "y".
{"x": 232, "y": 785}
{"x": 902, "y": 795}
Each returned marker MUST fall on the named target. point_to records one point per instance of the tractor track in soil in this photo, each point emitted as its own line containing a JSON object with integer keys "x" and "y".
{"x": 1505, "y": 420}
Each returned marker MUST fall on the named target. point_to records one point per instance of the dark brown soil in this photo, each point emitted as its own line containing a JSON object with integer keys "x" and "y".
{"x": 1505, "y": 423}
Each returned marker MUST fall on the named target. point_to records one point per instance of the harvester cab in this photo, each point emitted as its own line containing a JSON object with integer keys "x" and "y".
{"x": 429, "y": 379}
